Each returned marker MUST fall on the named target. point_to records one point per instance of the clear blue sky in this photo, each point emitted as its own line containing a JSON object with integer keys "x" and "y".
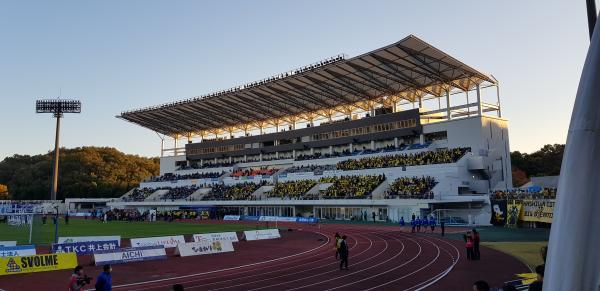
{"x": 118, "y": 55}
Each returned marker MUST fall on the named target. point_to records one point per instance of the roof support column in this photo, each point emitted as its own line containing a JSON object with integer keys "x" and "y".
{"x": 162, "y": 146}
{"x": 468, "y": 107}
{"x": 478, "y": 90}
{"x": 294, "y": 154}
{"x": 396, "y": 142}
{"x": 448, "y": 113}
{"x": 498, "y": 97}
{"x": 175, "y": 145}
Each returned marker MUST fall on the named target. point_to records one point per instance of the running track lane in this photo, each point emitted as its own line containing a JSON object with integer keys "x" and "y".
{"x": 379, "y": 258}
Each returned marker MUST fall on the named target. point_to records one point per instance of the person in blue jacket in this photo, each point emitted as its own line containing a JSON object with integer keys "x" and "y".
{"x": 413, "y": 224}
{"x": 418, "y": 224}
{"x": 402, "y": 221}
{"x": 104, "y": 280}
{"x": 432, "y": 224}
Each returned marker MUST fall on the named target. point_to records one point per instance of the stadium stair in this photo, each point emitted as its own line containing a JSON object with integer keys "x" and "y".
{"x": 199, "y": 194}
{"x": 156, "y": 195}
{"x": 127, "y": 194}
{"x": 379, "y": 192}
{"x": 260, "y": 192}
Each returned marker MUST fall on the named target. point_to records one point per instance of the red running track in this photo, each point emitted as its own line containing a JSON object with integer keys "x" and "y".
{"x": 381, "y": 258}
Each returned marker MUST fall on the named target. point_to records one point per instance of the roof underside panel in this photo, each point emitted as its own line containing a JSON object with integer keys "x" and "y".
{"x": 409, "y": 69}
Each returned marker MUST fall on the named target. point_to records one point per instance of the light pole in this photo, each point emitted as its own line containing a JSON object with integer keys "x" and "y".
{"x": 57, "y": 107}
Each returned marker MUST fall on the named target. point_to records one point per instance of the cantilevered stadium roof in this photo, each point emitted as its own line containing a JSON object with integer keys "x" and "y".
{"x": 409, "y": 69}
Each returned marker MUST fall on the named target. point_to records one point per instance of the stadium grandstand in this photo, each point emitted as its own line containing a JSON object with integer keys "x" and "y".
{"x": 404, "y": 129}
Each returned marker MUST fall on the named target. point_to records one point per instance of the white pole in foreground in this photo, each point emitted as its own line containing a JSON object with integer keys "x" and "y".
{"x": 573, "y": 261}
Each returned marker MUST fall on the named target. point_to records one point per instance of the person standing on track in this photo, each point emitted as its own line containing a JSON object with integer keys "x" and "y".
{"x": 476, "y": 253}
{"x": 418, "y": 224}
{"x": 432, "y": 224}
{"x": 337, "y": 239}
{"x": 402, "y": 221}
{"x": 443, "y": 226}
{"x": 344, "y": 254}
{"x": 469, "y": 244}
{"x": 104, "y": 280}
{"x": 413, "y": 225}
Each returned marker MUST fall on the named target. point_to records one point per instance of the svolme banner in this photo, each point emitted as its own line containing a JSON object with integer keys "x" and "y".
{"x": 231, "y": 217}
{"x": 74, "y": 239}
{"x": 166, "y": 241}
{"x": 37, "y": 263}
{"x": 127, "y": 255}
{"x": 203, "y": 248}
{"x": 262, "y": 234}
{"x": 18, "y": 251}
{"x": 217, "y": 236}
{"x": 82, "y": 248}
{"x": 8, "y": 243}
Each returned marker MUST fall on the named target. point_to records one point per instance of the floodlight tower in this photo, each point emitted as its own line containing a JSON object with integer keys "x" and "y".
{"x": 57, "y": 107}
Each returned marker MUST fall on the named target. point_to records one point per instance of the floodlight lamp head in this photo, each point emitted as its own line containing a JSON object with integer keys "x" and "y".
{"x": 58, "y": 106}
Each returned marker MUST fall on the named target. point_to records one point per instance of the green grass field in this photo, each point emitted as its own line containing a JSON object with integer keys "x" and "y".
{"x": 44, "y": 234}
{"x": 527, "y": 252}
{"x": 522, "y": 243}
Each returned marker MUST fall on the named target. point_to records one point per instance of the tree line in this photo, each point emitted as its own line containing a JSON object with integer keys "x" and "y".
{"x": 544, "y": 162}
{"x": 83, "y": 172}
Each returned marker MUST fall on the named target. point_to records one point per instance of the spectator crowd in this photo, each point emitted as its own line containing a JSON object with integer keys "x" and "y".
{"x": 412, "y": 188}
{"x": 241, "y": 191}
{"x": 292, "y": 189}
{"x": 263, "y": 171}
{"x": 544, "y": 193}
{"x": 175, "y": 177}
{"x": 422, "y": 158}
{"x": 348, "y": 187}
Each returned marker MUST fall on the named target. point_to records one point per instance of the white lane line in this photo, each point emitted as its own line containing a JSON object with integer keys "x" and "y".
{"x": 242, "y": 272}
{"x": 411, "y": 273}
{"x": 220, "y": 270}
{"x": 295, "y": 273}
{"x": 356, "y": 272}
{"x": 389, "y": 270}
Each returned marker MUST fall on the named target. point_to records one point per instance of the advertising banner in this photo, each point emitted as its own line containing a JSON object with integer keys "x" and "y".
{"x": 262, "y": 234}
{"x": 277, "y": 218}
{"x": 127, "y": 255}
{"x": 307, "y": 220}
{"x": 498, "y": 212}
{"x": 203, "y": 248}
{"x": 538, "y": 210}
{"x": 18, "y": 251}
{"x": 166, "y": 241}
{"x": 82, "y": 248}
{"x": 74, "y": 239}
{"x": 513, "y": 213}
{"x": 250, "y": 218}
{"x": 217, "y": 236}
{"x": 8, "y": 243}
{"x": 231, "y": 217}
{"x": 37, "y": 263}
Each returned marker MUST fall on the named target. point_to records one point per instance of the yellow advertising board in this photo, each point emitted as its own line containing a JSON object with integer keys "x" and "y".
{"x": 37, "y": 263}
{"x": 538, "y": 210}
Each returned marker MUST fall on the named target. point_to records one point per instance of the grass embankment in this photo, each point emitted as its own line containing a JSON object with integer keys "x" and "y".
{"x": 522, "y": 243}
